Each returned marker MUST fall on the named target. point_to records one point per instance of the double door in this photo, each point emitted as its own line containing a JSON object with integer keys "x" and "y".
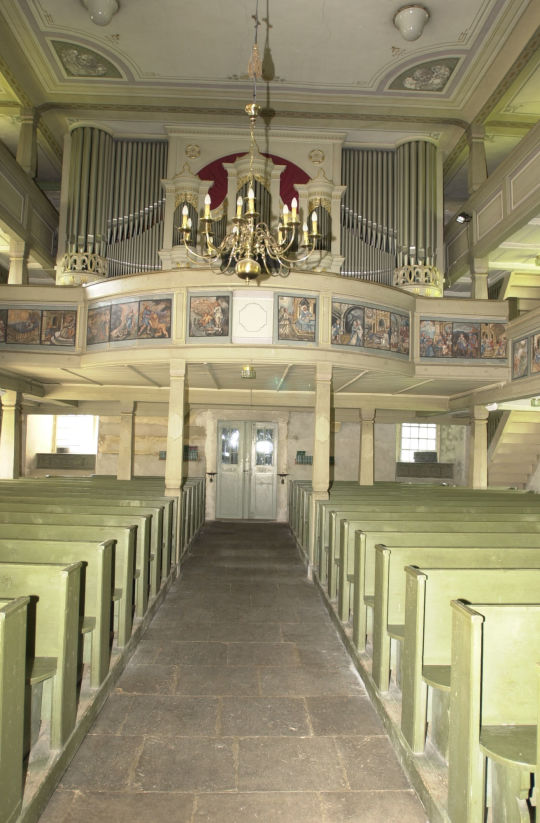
{"x": 246, "y": 470}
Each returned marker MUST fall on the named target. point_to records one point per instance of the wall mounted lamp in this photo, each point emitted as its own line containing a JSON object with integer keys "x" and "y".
{"x": 248, "y": 372}
{"x": 410, "y": 21}
{"x": 101, "y": 11}
{"x": 463, "y": 217}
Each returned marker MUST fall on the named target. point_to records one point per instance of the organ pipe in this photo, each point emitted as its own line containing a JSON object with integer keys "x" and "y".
{"x": 368, "y": 215}
{"x": 135, "y": 218}
{"x": 416, "y": 203}
{"x": 88, "y": 201}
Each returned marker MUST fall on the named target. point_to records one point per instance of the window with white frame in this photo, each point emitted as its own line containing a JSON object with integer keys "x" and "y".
{"x": 76, "y": 433}
{"x": 417, "y": 437}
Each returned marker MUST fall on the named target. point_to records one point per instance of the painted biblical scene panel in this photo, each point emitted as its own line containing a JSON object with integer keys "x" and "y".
{"x": 347, "y": 324}
{"x": 399, "y": 333}
{"x": 209, "y": 315}
{"x": 435, "y": 338}
{"x": 154, "y": 319}
{"x": 520, "y": 351}
{"x": 124, "y": 321}
{"x": 493, "y": 341}
{"x": 535, "y": 354}
{"x": 466, "y": 340}
{"x": 297, "y": 318}
{"x": 58, "y": 328}
{"x": 3, "y": 325}
{"x": 377, "y": 329}
{"x": 23, "y": 326}
{"x": 99, "y": 324}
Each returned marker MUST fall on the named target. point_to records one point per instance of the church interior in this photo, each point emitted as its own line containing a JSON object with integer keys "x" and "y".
{"x": 279, "y": 268}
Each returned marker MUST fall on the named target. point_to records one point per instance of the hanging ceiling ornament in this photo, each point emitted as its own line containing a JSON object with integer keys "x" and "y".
{"x": 251, "y": 250}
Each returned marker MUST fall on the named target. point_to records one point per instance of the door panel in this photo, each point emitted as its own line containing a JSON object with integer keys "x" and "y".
{"x": 246, "y": 480}
{"x": 230, "y": 502}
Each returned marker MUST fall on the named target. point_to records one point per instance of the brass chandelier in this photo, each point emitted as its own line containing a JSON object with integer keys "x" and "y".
{"x": 251, "y": 249}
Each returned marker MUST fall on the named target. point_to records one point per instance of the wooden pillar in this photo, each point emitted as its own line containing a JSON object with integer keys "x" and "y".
{"x": 479, "y": 272}
{"x": 18, "y": 262}
{"x": 320, "y": 476}
{"x": 477, "y": 168}
{"x": 175, "y": 428}
{"x": 11, "y": 436}
{"x": 27, "y": 143}
{"x": 366, "y": 468}
{"x": 124, "y": 470}
{"x": 478, "y": 468}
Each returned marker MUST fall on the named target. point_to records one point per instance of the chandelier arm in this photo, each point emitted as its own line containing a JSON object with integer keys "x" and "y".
{"x": 291, "y": 261}
{"x": 203, "y": 257}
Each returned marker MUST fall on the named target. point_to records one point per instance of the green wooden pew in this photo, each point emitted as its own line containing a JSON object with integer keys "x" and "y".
{"x": 12, "y": 684}
{"x": 331, "y": 513}
{"x": 125, "y": 573}
{"x": 494, "y": 705}
{"x": 343, "y": 556}
{"x": 96, "y": 585}
{"x": 149, "y": 521}
{"x": 389, "y": 595}
{"x": 99, "y": 497}
{"x": 53, "y": 634}
{"x": 512, "y": 577}
{"x": 478, "y": 534}
{"x": 147, "y": 563}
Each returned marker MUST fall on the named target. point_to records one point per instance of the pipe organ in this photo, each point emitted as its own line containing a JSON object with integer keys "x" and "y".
{"x": 123, "y": 213}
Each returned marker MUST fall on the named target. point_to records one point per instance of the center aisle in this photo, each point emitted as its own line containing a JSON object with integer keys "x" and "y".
{"x": 239, "y": 705}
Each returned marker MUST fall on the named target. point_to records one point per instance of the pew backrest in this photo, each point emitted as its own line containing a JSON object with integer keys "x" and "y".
{"x": 53, "y": 624}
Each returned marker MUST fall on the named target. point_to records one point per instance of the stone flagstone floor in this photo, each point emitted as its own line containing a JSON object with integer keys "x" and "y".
{"x": 239, "y": 705}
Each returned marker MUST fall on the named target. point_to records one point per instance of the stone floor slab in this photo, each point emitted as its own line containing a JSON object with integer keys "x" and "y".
{"x": 262, "y": 716}
{"x": 289, "y": 764}
{"x": 258, "y": 807}
{"x": 343, "y": 716}
{"x": 186, "y": 765}
{"x": 373, "y": 807}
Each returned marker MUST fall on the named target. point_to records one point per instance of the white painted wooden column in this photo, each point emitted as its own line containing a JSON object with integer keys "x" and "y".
{"x": 320, "y": 476}
{"x": 366, "y": 467}
{"x": 124, "y": 470}
{"x": 11, "y": 436}
{"x": 175, "y": 428}
{"x": 478, "y": 467}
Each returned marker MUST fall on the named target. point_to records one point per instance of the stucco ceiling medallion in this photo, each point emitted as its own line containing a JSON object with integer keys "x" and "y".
{"x": 431, "y": 76}
{"x": 79, "y": 61}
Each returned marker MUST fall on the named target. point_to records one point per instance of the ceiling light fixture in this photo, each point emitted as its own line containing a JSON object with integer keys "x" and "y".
{"x": 463, "y": 217}
{"x": 248, "y": 372}
{"x": 101, "y": 11}
{"x": 491, "y": 407}
{"x": 251, "y": 249}
{"x": 410, "y": 21}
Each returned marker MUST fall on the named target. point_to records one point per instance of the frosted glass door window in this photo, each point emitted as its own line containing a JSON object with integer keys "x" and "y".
{"x": 264, "y": 447}
{"x": 230, "y": 440}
